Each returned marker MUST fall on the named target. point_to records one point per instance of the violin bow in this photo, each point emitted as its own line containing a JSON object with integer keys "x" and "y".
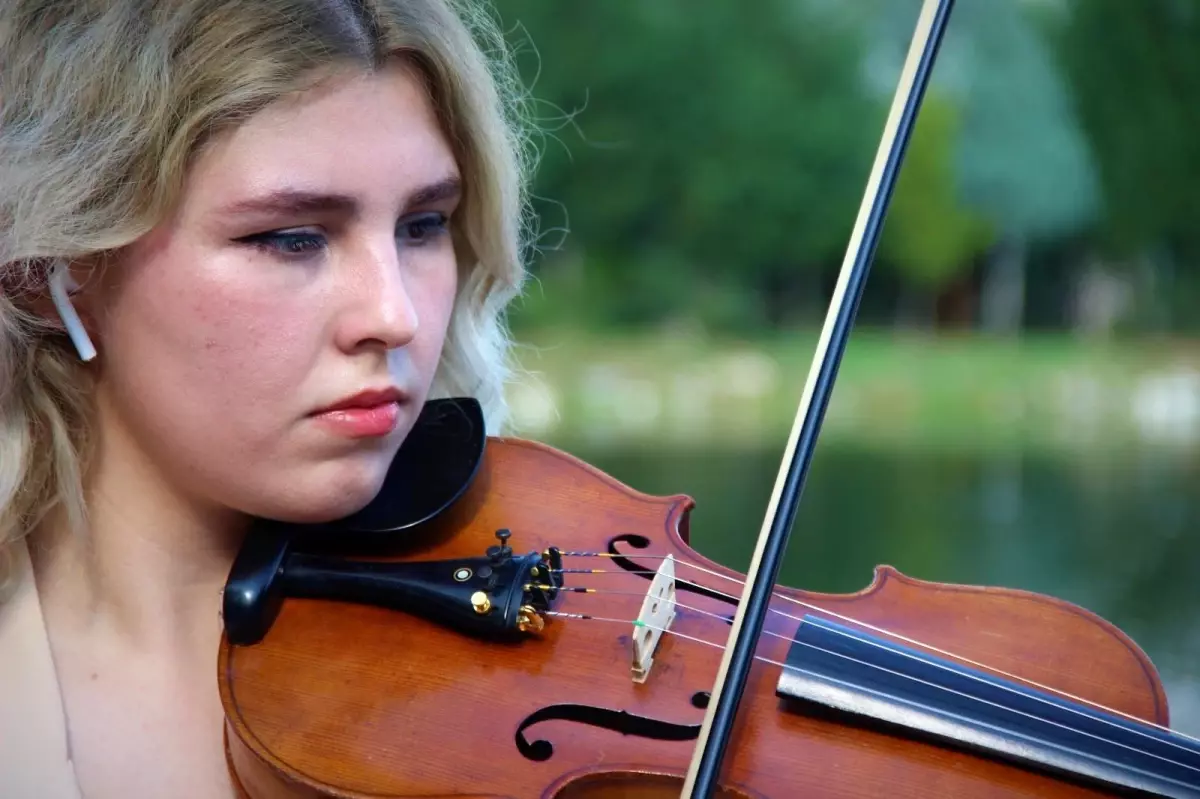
{"x": 717, "y": 729}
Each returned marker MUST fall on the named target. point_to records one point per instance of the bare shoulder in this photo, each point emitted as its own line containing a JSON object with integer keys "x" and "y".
{"x": 81, "y": 726}
{"x": 34, "y": 760}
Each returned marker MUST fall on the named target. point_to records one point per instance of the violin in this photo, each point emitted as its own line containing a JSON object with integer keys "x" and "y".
{"x": 506, "y": 620}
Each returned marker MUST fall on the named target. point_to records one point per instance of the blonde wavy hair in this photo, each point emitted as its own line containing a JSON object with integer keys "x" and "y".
{"x": 103, "y": 105}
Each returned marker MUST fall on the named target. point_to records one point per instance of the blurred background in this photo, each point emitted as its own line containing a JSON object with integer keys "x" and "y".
{"x": 1019, "y": 404}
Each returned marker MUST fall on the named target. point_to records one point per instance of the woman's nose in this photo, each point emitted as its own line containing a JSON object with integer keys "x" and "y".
{"x": 381, "y": 311}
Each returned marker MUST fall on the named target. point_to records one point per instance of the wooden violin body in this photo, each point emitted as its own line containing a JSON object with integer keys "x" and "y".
{"x": 353, "y": 700}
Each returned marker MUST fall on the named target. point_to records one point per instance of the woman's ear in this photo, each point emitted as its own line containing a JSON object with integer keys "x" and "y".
{"x": 61, "y": 285}
{"x": 44, "y": 290}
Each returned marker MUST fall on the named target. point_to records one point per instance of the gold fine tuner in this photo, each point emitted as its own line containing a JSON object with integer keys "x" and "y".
{"x": 529, "y": 620}
{"x": 481, "y": 602}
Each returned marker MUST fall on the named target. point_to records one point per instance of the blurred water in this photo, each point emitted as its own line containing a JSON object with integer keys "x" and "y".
{"x": 1115, "y": 534}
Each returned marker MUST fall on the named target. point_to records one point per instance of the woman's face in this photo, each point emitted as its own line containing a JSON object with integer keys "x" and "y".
{"x": 309, "y": 261}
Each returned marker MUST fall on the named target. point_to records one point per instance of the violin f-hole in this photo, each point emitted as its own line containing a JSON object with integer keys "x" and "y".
{"x": 641, "y": 542}
{"x": 621, "y": 721}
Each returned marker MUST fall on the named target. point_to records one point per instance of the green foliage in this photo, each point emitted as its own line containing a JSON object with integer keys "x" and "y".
{"x": 1024, "y": 159}
{"x": 713, "y": 146}
{"x": 707, "y": 160}
{"x": 929, "y": 235}
{"x": 1135, "y": 68}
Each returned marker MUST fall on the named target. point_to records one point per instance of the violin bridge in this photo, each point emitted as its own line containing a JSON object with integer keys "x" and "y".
{"x": 658, "y": 611}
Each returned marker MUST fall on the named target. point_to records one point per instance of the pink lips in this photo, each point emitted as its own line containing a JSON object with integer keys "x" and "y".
{"x": 367, "y": 414}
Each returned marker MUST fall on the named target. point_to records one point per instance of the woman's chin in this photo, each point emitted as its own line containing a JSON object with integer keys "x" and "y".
{"x": 323, "y": 500}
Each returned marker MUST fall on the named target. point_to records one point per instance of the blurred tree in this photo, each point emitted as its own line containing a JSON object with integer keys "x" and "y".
{"x": 1024, "y": 159}
{"x": 1019, "y": 157}
{"x": 708, "y": 161}
{"x": 1135, "y": 69}
{"x": 930, "y": 237}
{"x": 716, "y": 158}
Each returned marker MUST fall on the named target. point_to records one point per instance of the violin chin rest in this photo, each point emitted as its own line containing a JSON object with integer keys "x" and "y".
{"x": 433, "y": 468}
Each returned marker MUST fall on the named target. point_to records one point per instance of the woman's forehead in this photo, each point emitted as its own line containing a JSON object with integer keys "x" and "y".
{"x": 358, "y": 139}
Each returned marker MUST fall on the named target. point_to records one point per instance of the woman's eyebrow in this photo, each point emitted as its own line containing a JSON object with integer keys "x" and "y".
{"x": 289, "y": 200}
{"x": 448, "y": 188}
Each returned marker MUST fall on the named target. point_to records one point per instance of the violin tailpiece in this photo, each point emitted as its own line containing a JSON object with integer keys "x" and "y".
{"x": 498, "y": 595}
{"x": 658, "y": 611}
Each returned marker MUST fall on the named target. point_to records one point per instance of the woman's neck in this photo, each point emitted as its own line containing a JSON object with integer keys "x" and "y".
{"x": 148, "y": 569}
{"x": 132, "y": 612}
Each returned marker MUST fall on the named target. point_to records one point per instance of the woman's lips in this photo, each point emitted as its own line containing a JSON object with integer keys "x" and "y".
{"x": 369, "y": 413}
{"x": 362, "y": 422}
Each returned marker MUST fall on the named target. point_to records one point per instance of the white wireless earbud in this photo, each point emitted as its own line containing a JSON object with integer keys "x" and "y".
{"x": 60, "y": 284}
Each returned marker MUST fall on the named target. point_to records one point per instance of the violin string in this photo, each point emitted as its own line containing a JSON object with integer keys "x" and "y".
{"x": 871, "y": 643}
{"x": 851, "y": 686}
{"x": 866, "y": 625}
{"x": 674, "y": 602}
{"x": 588, "y": 617}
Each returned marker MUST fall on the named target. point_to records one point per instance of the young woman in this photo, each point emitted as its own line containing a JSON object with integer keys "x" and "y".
{"x": 241, "y": 243}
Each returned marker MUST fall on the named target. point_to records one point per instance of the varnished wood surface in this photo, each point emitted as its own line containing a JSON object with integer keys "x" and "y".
{"x": 353, "y": 701}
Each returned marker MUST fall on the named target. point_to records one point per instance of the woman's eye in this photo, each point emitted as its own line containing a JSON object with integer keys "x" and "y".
{"x": 423, "y": 228}
{"x": 288, "y": 243}
{"x": 416, "y": 231}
